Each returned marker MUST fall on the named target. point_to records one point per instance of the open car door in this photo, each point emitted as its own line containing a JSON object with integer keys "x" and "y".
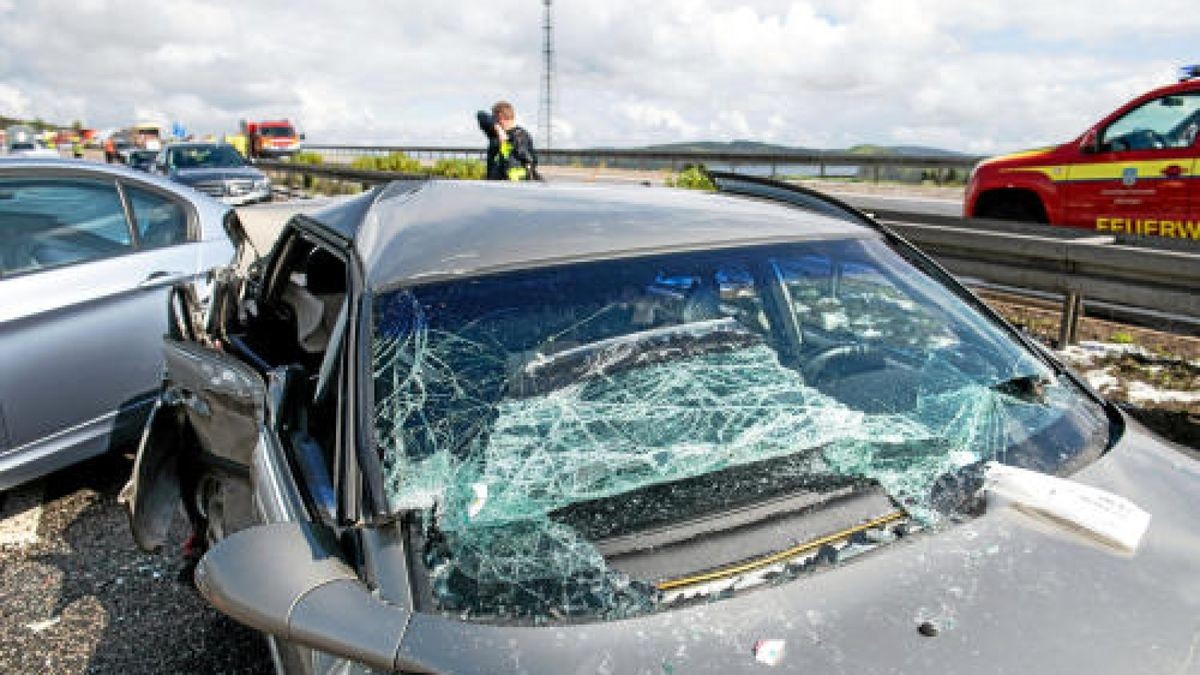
{"x": 211, "y": 410}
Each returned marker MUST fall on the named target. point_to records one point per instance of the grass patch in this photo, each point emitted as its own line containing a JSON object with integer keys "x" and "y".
{"x": 691, "y": 178}
{"x": 1121, "y": 338}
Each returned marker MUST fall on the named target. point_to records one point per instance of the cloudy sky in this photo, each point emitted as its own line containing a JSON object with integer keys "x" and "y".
{"x": 973, "y": 76}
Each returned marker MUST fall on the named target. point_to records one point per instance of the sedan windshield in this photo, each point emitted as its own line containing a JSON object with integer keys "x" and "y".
{"x": 541, "y": 421}
{"x": 206, "y": 157}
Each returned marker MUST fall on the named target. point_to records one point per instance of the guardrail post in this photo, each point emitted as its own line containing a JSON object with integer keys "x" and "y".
{"x": 1072, "y": 312}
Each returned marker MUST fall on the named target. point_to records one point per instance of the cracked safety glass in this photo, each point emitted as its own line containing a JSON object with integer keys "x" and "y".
{"x": 578, "y": 441}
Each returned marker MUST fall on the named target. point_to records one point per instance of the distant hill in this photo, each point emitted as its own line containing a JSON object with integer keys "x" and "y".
{"x": 903, "y": 150}
{"x": 756, "y": 146}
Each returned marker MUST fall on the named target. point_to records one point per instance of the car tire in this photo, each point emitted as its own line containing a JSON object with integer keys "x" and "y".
{"x": 1019, "y": 206}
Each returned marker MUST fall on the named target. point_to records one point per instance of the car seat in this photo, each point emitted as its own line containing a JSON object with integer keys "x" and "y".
{"x": 316, "y": 297}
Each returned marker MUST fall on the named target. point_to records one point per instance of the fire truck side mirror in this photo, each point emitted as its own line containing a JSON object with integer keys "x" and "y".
{"x": 1090, "y": 143}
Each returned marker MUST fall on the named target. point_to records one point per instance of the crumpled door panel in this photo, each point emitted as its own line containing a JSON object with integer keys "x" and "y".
{"x": 221, "y": 401}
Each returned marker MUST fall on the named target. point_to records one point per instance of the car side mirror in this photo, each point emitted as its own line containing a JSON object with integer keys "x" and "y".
{"x": 1090, "y": 144}
{"x": 288, "y": 580}
{"x": 301, "y": 136}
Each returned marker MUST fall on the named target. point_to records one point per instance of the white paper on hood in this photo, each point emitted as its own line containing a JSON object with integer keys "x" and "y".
{"x": 1104, "y": 515}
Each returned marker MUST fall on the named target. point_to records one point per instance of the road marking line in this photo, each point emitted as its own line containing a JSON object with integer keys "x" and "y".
{"x": 20, "y": 514}
{"x": 39, "y": 626}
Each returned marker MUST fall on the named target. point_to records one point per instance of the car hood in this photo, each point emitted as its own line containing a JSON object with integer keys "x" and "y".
{"x": 200, "y": 175}
{"x": 1006, "y": 592}
{"x": 1021, "y": 158}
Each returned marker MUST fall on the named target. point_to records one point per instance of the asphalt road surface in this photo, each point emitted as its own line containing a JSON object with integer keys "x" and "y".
{"x": 77, "y": 596}
{"x": 903, "y": 203}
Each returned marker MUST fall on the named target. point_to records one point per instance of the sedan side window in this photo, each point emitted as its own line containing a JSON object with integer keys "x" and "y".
{"x": 160, "y": 220}
{"x": 51, "y": 222}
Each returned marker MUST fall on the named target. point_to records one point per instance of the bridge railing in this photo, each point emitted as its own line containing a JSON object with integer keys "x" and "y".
{"x": 821, "y": 164}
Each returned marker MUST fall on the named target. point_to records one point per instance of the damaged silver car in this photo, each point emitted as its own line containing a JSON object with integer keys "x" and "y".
{"x": 481, "y": 428}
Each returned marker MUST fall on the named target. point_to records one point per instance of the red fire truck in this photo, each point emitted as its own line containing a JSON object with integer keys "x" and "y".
{"x": 1136, "y": 171}
{"x": 272, "y": 138}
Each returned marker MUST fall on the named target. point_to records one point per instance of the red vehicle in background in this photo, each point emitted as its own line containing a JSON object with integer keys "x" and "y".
{"x": 272, "y": 138}
{"x": 1137, "y": 171}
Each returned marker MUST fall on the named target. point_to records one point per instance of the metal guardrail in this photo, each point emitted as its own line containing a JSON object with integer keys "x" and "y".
{"x": 824, "y": 163}
{"x": 1161, "y": 286}
{"x": 289, "y": 178}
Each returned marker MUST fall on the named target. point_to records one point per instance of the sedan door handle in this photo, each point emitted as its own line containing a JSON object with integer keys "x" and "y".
{"x": 162, "y": 278}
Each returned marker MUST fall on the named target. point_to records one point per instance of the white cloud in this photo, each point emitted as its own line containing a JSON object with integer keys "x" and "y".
{"x": 731, "y": 123}
{"x": 12, "y": 102}
{"x": 656, "y": 119}
{"x": 816, "y": 73}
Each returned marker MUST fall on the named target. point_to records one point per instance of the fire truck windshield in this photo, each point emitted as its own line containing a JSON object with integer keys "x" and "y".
{"x": 277, "y": 132}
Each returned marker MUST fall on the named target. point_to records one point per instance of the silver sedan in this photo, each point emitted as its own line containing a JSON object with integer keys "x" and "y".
{"x": 88, "y": 255}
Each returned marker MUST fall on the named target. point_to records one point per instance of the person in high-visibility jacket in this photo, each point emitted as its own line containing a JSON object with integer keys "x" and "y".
{"x": 510, "y": 153}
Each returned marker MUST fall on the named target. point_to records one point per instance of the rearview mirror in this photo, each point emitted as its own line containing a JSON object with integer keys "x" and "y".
{"x": 1090, "y": 143}
{"x": 287, "y": 579}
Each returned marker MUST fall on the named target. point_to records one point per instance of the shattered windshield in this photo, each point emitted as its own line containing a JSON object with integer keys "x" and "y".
{"x": 584, "y": 440}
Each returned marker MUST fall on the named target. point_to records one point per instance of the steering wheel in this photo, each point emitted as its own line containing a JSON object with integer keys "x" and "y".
{"x": 828, "y": 356}
{"x": 1188, "y": 137}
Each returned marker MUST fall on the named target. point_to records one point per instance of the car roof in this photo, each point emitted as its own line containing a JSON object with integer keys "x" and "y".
{"x": 88, "y": 166}
{"x": 211, "y": 211}
{"x": 413, "y": 232}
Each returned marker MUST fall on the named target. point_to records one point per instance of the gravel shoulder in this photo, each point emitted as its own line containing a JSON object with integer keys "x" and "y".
{"x": 84, "y": 599}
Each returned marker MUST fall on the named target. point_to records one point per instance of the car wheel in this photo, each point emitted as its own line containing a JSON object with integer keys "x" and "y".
{"x": 203, "y": 503}
{"x": 1021, "y": 207}
{"x": 209, "y": 505}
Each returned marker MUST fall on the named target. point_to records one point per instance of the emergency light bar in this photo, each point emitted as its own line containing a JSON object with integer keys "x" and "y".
{"x": 1189, "y": 72}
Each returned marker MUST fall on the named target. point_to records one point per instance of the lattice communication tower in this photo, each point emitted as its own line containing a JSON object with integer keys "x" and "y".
{"x": 546, "y": 107}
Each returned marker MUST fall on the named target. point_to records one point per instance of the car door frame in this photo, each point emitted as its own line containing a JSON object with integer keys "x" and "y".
{"x": 358, "y": 471}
